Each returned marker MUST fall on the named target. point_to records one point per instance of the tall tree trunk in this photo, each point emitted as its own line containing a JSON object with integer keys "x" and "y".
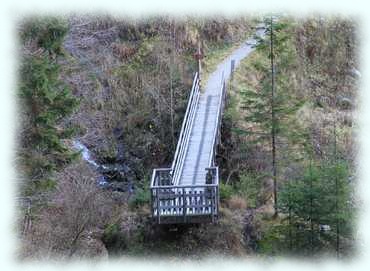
{"x": 159, "y": 107}
{"x": 273, "y": 124}
{"x": 290, "y": 224}
{"x": 311, "y": 209}
{"x": 171, "y": 84}
{"x": 336, "y": 192}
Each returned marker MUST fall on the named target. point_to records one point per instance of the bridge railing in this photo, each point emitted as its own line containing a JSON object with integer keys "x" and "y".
{"x": 184, "y": 203}
{"x": 187, "y": 123}
{"x": 217, "y": 132}
{"x": 174, "y": 203}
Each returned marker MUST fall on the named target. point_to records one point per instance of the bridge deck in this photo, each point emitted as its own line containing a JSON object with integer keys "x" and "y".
{"x": 198, "y": 152}
{"x": 188, "y": 191}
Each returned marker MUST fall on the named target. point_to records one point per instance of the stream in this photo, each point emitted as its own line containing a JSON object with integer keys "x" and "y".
{"x": 116, "y": 177}
{"x": 86, "y": 155}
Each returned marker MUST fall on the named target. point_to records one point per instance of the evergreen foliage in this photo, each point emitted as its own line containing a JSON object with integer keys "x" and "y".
{"x": 315, "y": 202}
{"x": 48, "y": 33}
{"x": 137, "y": 81}
{"x": 45, "y": 101}
{"x": 270, "y": 107}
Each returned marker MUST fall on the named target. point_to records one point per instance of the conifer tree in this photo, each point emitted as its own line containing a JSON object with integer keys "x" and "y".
{"x": 319, "y": 205}
{"x": 269, "y": 107}
{"x": 46, "y": 101}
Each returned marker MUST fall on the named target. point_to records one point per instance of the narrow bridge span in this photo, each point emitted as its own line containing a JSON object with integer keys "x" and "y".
{"x": 188, "y": 191}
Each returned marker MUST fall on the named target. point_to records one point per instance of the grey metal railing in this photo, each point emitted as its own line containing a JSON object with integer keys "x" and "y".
{"x": 217, "y": 132}
{"x": 187, "y": 123}
{"x": 174, "y": 203}
{"x": 183, "y": 203}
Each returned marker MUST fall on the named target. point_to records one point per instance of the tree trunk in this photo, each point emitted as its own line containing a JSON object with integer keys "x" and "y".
{"x": 171, "y": 84}
{"x": 273, "y": 124}
{"x": 336, "y": 193}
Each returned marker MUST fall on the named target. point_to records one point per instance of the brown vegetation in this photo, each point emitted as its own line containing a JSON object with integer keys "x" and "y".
{"x": 77, "y": 209}
{"x": 133, "y": 79}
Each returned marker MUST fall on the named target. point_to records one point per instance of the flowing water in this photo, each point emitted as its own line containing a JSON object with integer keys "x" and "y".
{"x": 86, "y": 155}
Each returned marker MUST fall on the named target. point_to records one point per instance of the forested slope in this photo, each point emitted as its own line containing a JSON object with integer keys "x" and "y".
{"x": 309, "y": 142}
{"x": 126, "y": 84}
{"x": 119, "y": 88}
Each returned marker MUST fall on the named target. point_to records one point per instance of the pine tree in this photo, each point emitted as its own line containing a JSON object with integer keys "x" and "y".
{"x": 319, "y": 198}
{"x": 339, "y": 210}
{"x": 269, "y": 107}
{"x": 46, "y": 101}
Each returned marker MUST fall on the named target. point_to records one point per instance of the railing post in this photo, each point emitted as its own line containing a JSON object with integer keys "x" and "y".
{"x": 158, "y": 207}
{"x": 212, "y": 205}
{"x": 231, "y": 78}
{"x": 232, "y": 66}
{"x": 184, "y": 204}
{"x": 217, "y": 191}
{"x": 152, "y": 201}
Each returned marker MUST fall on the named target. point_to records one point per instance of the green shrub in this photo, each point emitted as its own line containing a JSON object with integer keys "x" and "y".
{"x": 272, "y": 239}
{"x": 46, "y": 185}
{"x": 39, "y": 186}
{"x": 226, "y": 191}
{"x": 47, "y": 32}
{"x": 141, "y": 197}
{"x": 45, "y": 102}
{"x": 248, "y": 187}
{"x": 114, "y": 239}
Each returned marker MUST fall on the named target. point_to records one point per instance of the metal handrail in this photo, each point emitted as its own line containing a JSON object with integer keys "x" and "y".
{"x": 216, "y": 179}
{"x": 165, "y": 181}
{"x": 196, "y": 78}
{"x": 183, "y": 141}
{"x": 152, "y": 182}
{"x": 184, "y": 186}
{"x": 218, "y": 122}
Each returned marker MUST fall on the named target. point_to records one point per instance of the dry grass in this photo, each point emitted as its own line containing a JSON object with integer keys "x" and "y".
{"x": 237, "y": 203}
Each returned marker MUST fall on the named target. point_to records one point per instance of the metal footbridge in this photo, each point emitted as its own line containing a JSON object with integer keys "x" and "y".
{"x": 188, "y": 191}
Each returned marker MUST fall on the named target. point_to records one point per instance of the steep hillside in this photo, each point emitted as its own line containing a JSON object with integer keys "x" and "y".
{"x": 131, "y": 79}
{"x": 102, "y": 104}
{"x": 316, "y": 89}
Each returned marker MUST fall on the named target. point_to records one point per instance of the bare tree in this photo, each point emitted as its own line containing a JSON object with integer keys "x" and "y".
{"x": 78, "y": 207}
